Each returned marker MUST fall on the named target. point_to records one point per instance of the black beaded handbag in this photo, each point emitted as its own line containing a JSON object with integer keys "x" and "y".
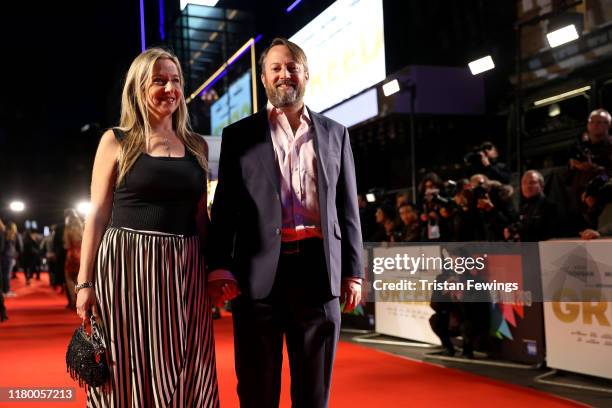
{"x": 85, "y": 359}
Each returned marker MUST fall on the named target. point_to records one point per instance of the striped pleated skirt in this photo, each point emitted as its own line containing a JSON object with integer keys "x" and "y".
{"x": 156, "y": 319}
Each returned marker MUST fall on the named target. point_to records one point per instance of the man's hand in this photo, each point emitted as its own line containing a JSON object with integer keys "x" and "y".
{"x": 588, "y": 234}
{"x": 350, "y": 294}
{"x": 485, "y": 204}
{"x": 222, "y": 290}
{"x": 484, "y": 159}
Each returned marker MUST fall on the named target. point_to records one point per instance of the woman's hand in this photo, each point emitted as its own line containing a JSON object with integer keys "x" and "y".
{"x": 221, "y": 290}
{"x": 85, "y": 302}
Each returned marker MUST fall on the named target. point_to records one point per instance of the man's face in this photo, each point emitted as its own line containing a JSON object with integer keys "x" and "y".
{"x": 598, "y": 127}
{"x": 492, "y": 153}
{"x": 407, "y": 215}
{"x": 283, "y": 78}
{"x": 530, "y": 185}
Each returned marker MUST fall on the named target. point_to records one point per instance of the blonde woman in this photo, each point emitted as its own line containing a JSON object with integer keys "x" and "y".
{"x": 73, "y": 235}
{"x": 142, "y": 266}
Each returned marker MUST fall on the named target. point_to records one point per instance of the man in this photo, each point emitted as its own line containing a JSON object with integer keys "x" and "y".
{"x": 594, "y": 149}
{"x": 411, "y": 230}
{"x": 591, "y": 156}
{"x": 487, "y": 163}
{"x": 538, "y": 216}
{"x": 285, "y": 224}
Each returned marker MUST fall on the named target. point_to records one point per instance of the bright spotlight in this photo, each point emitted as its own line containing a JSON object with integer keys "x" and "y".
{"x": 481, "y": 65}
{"x": 562, "y": 36}
{"x": 83, "y": 207}
{"x": 370, "y": 197}
{"x": 391, "y": 87}
{"x": 17, "y": 206}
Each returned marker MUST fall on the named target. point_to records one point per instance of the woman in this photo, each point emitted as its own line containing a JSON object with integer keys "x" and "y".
{"x": 148, "y": 281}
{"x": 73, "y": 235}
{"x": 12, "y": 247}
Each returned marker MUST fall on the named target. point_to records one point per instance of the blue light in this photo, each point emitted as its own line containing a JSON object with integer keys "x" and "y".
{"x": 292, "y": 6}
{"x": 142, "y": 26}
{"x": 162, "y": 33}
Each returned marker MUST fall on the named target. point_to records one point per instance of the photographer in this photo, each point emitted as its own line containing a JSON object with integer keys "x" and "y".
{"x": 410, "y": 230}
{"x": 538, "y": 216}
{"x": 589, "y": 157}
{"x": 492, "y": 203}
{"x": 386, "y": 223}
{"x": 484, "y": 160}
{"x": 434, "y": 199}
{"x": 461, "y": 312}
{"x": 598, "y": 200}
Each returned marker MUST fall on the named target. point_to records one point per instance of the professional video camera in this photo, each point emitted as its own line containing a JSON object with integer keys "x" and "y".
{"x": 442, "y": 197}
{"x": 474, "y": 157}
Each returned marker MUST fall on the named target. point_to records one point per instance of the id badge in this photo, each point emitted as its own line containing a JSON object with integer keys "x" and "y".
{"x": 433, "y": 231}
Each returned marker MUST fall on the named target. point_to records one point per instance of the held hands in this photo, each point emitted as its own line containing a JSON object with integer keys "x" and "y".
{"x": 222, "y": 290}
{"x": 350, "y": 294}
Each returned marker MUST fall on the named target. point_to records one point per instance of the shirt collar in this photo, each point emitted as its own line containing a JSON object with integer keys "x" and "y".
{"x": 273, "y": 112}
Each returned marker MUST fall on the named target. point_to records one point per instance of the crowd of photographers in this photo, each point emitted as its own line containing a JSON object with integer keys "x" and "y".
{"x": 575, "y": 202}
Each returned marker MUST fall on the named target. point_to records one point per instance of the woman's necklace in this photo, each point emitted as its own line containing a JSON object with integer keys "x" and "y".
{"x": 166, "y": 143}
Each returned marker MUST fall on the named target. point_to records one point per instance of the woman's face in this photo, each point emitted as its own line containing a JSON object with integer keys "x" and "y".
{"x": 164, "y": 90}
{"x": 380, "y": 216}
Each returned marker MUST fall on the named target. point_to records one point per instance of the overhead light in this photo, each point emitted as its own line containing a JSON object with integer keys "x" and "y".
{"x": 209, "y": 3}
{"x": 554, "y": 110}
{"x": 292, "y": 6}
{"x": 481, "y": 65}
{"x": 370, "y": 197}
{"x": 17, "y": 206}
{"x": 561, "y": 96}
{"x": 562, "y": 36}
{"x": 83, "y": 207}
{"x": 391, "y": 87}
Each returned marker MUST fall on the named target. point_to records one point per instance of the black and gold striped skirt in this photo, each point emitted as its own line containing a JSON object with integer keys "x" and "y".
{"x": 156, "y": 318}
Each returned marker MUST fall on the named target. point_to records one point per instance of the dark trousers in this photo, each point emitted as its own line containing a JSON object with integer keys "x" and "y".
{"x": 300, "y": 310}
{"x": 439, "y": 323}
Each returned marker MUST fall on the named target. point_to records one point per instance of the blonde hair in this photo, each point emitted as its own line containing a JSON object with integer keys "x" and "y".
{"x": 73, "y": 231}
{"x": 11, "y": 231}
{"x": 134, "y": 120}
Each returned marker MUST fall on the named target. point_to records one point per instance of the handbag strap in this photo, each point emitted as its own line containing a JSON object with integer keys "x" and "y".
{"x": 96, "y": 337}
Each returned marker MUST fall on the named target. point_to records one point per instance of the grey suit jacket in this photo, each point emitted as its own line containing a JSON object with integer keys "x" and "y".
{"x": 245, "y": 235}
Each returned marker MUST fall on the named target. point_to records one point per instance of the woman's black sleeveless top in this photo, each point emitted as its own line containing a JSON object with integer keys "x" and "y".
{"x": 159, "y": 194}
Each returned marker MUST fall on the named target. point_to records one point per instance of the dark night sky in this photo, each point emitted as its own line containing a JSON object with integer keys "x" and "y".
{"x": 63, "y": 66}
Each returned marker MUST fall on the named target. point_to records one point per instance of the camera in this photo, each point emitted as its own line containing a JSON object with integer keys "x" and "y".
{"x": 581, "y": 153}
{"x": 600, "y": 187}
{"x": 473, "y": 158}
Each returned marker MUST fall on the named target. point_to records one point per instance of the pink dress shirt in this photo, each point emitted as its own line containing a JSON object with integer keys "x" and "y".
{"x": 297, "y": 164}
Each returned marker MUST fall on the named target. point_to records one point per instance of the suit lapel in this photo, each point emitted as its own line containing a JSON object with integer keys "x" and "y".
{"x": 321, "y": 143}
{"x": 265, "y": 150}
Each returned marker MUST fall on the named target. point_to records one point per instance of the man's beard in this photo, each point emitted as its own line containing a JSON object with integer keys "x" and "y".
{"x": 282, "y": 98}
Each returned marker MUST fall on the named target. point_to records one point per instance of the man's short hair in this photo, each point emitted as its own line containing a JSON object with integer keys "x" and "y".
{"x": 601, "y": 112}
{"x": 295, "y": 49}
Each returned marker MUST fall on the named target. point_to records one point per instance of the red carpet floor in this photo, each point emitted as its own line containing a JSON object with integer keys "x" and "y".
{"x": 33, "y": 342}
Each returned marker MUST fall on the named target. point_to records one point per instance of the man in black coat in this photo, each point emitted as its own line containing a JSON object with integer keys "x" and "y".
{"x": 285, "y": 225}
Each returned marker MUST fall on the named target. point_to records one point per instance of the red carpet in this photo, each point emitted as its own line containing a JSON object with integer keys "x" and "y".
{"x": 33, "y": 342}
